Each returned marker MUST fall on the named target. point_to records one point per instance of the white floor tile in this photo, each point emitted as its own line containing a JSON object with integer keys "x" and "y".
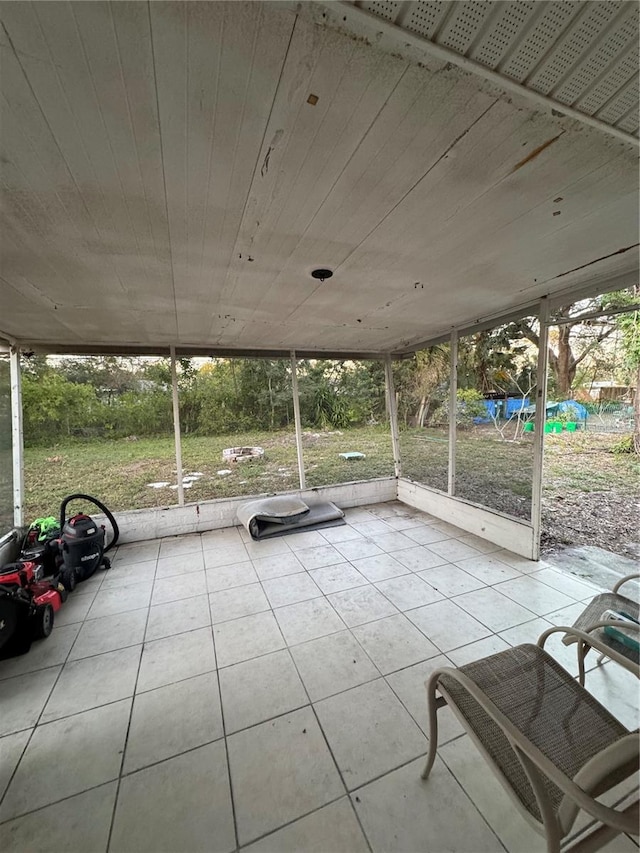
{"x": 617, "y": 689}
{"x": 11, "y": 748}
{"x": 453, "y": 549}
{"x": 212, "y": 539}
{"x": 488, "y": 569}
{"x": 425, "y": 535}
{"x": 360, "y": 605}
{"x": 308, "y": 620}
{"x": 90, "y": 682}
{"x": 478, "y": 650}
{"x": 175, "y": 658}
{"x": 322, "y": 555}
{"x": 567, "y": 616}
{"x": 302, "y": 540}
{"x": 577, "y": 589}
{"x": 245, "y": 638}
{"x": 74, "y": 609}
{"x": 447, "y": 625}
{"x": 482, "y": 545}
{"x": 473, "y": 773}
{"x": 237, "y": 602}
{"x": 267, "y": 548}
{"x": 520, "y": 563}
{"x": 338, "y": 577}
{"x": 182, "y": 564}
{"x": 332, "y": 829}
{"x": 277, "y": 566}
{"x": 358, "y": 549}
{"x": 344, "y": 533}
{"x": 180, "y": 804}
{"x": 403, "y": 523}
{"x": 173, "y": 719}
{"x": 179, "y": 545}
{"x": 259, "y": 689}
{"x": 175, "y": 589}
{"x": 109, "y": 633}
{"x": 290, "y": 589}
{"x": 528, "y": 632}
{"x": 80, "y": 823}
{"x": 450, "y": 580}
{"x": 534, "y": 595}
{"x": 390, "y": 542}
{"x": 136, "y": 552}
{"x": 372, "y": 528}
{"x": 409, "y": 686}
{"x": 380, "y": 567}
{"x": 228, "y": 577}
{"x": 176, "y": 617}
{"x": 281, "y": 770}
{"x": 394, "y": 643}
{"x": 42, "y": 654}
{"x": 22, "y": 699}
{"x": 420, "y": 558}
{"x": 451, "y": 529}
{"x": 408, "y": 591}
{"x": 369, "y": 732}
{"x": 402, "y": 813}
{"x": 225, "y": 555}
{"x": 126, "y": 574}
{"x": 121, "y": 599}
{"x": 68, "y": 756}
{"x": 493, "y": 609}
{"x": 331, "y": 664}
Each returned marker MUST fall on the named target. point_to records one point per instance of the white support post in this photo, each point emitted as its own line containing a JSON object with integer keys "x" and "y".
{"x": 296, "y": 414}
{"x": 176, "y": 426}
{"x": 453, "y": 411}
{"x": 393, "y": 415}
{"x": 17, "y": 441}
{"x": 540, "y": 418}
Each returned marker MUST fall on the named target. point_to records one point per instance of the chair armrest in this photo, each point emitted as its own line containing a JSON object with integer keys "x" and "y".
{"x": 632, "y": 577}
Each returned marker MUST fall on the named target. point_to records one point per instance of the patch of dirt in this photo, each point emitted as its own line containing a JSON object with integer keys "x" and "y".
{"x": 609, "y": 520}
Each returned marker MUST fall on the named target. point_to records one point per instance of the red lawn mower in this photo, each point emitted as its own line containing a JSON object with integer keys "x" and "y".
{"x": 50, "y": 566}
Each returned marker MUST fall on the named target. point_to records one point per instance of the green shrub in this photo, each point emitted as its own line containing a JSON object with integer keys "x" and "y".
{"x": 623, "y": 445}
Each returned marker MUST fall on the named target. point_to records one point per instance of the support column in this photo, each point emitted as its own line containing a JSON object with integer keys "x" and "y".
{"x": 296, "y": 414}
{"x": 453, "y": 411}
{"x": 540, "y": 418}
{"x": 17, "y": 441}
{"x": 176, "y": 426}
{"x": 393, "y": 415}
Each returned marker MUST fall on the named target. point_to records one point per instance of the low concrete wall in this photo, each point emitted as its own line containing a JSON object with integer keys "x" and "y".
{"x": 516, "y": 536}
{"x": 140, "y": 524}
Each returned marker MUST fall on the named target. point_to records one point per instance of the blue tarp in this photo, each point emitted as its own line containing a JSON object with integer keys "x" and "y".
{"x": 511, "y": 409}
{"x": 573, "y": 404}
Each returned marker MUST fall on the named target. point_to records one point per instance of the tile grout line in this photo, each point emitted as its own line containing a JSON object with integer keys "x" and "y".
{"x": 126, "y": 736}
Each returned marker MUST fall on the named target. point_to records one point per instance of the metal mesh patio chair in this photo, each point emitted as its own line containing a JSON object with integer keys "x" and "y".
{"x": 551, "y": 744}
{"x": 587, "y": 630}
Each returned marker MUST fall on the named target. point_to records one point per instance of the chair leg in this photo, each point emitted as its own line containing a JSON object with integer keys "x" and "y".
{"x": 432, "y": 707}
{"x": 581, "y": 654}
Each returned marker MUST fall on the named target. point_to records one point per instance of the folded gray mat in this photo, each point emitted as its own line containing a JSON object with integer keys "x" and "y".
{"x": 268, "y": 517}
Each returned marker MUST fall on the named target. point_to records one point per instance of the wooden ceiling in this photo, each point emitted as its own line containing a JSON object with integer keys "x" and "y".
{"x": 173, "y": 172}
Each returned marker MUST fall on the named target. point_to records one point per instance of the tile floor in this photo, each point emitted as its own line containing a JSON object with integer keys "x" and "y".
{"x": 212, "y": 693}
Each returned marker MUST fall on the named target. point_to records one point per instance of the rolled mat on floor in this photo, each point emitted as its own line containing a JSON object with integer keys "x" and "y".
{"x": 270, "y": 517}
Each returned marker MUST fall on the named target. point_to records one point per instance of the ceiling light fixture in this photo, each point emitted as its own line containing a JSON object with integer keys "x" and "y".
{"x": 321, "y": 274}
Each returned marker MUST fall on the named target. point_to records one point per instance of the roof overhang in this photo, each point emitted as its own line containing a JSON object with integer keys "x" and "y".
{"x": 169, "y": 180}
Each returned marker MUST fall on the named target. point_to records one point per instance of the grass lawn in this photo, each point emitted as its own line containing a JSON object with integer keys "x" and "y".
{"x": 582, "y": 476}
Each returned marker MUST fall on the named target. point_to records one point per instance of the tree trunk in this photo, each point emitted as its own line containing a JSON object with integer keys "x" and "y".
{"x": 565, "y": 362}
{"x": 636, "y": 415}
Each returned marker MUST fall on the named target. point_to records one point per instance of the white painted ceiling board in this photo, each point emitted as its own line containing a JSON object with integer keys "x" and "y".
{"x": 144, "y": 144}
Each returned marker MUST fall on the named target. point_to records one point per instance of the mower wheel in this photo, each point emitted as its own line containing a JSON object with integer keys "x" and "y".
{"x": 106, "y": 563}
{"x": 69, "y": 579}
{"x": 43, "y": 622}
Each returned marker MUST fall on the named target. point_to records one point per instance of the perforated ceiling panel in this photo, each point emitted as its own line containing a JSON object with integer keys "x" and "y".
{"x": 426, "y": 17}
{"x": 580, "y": 53}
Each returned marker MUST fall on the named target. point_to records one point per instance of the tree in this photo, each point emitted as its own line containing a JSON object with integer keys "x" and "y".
{"x": 629, "y": 326}
{"x": 582, "y": 327}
